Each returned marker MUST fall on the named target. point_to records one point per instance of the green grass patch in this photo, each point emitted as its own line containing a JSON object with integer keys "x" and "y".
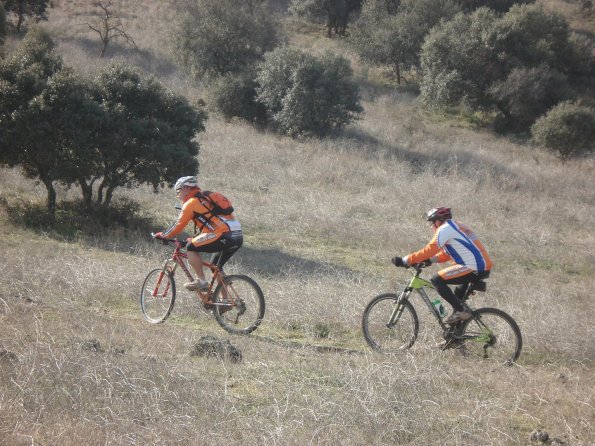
{"x": 319, "y": 336}
{"x": 460, "y": 117}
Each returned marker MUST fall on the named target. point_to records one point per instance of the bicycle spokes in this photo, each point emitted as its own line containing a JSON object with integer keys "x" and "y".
{"x": 239, "y": 304}
{"x": 396, "y": 334}
{"x": 237, "y": 300}
{"x": 158, "y": 295}
{"x": 493, "y": 335}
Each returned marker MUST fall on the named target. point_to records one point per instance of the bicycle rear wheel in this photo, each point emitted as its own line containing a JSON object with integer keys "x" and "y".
{"x": 389, "y": 327}
{"x": 157, "y": 296}
{"x": 491, "y": 335}
{"x": 239, "y": 304}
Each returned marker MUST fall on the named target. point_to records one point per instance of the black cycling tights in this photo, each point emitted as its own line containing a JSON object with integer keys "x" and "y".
{"x": 454, "y": 299}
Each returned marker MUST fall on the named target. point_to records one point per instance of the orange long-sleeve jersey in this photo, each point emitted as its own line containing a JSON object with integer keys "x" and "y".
{"x": 198, "y": 211}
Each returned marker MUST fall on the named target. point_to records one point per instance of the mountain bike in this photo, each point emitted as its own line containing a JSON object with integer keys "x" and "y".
{"x": 236, "y": 300}
{"x": 390, "y": 324}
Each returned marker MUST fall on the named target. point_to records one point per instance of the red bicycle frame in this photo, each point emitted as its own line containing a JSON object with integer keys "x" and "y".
{"x": 179, "y": 258}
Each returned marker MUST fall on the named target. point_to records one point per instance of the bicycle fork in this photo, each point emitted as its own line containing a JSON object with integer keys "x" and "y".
{"x": 170, "y": 266}
{"x": 398, "y": 310}
{"x": 166, "y": 269}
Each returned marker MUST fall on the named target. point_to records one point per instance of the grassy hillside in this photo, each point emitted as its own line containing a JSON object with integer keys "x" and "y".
{"x": 322, "y": 218}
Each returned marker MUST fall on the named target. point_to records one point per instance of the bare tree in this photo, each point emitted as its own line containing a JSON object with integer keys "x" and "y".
{"x": 108, "y": 25}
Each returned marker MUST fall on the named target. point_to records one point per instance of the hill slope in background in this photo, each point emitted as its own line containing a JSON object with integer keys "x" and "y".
{"x": 322, "y": 218}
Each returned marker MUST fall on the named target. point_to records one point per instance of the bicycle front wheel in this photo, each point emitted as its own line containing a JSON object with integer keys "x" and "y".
{"x": 491, "y": 335}
{"x": 390, "y": 326}
{"x": 239, "y": 304}
{"x": 157, "y": 295}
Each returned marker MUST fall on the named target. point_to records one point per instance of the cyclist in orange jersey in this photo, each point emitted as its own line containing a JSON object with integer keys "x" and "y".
{"x": 456, "y": 242}
{"x": 220, "y": 234}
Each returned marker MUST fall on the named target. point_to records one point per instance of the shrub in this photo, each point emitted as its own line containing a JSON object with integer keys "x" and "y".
{"x": 528, "y": 93}
{"x": 568, "y": 128}
{"x": 215, "y": 37}
{"x": 234, "y": 95}
{"x": 27, "y": 138}
{"x": 305, "y": 95}
{"x": 335, "y": 13}
{"x": 520, "y": 63}
{"x": 116, "y": 130}
{"x": 496, "y": 5}
{"x": 529, "y": 36}
{"x": 395, "y": 39}
{"x": 458, "y": 65}
{"x": 2, "y": 24}
{"x": 146, "y": 133}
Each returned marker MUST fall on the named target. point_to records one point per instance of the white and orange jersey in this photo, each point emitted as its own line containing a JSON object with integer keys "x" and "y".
{"x": 456, "y": 242}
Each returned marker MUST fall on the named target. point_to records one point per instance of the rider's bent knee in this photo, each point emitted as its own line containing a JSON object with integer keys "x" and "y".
{"x": 436, "y": 280}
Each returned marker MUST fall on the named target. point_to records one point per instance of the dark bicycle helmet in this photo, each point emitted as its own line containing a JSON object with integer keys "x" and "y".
{"x": 441, "y": 214}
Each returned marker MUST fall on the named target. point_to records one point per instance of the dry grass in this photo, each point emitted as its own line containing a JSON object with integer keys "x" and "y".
{"x": 581, "y": 20}
{"x": 322, "y": 219}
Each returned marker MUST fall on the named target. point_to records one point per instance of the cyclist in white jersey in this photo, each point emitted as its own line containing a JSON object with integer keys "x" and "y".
{"x": 456, "y": 242}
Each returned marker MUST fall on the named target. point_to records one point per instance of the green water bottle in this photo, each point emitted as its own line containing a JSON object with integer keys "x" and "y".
{"x": 439, "y": 307}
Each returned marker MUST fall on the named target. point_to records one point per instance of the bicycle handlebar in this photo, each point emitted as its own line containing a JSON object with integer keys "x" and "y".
{"x": 166, "y": 241}
{"x": 419, "y": 266}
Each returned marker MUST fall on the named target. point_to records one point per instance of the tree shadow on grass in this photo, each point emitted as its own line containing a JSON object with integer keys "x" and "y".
{"x": 74, "y": 222}
{"x": 463, "y": 162}
{"x": 124, "y": 222}
{"x": 147, "y": 60}
{"x": 274, "y": 262}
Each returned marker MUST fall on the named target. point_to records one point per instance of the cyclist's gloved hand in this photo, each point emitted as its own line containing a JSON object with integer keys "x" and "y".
{"x": 188, "y": 241}
{"x": 158, "y": 235}
{"x": 427, "y": 262}
{"x": 398, "y": 261}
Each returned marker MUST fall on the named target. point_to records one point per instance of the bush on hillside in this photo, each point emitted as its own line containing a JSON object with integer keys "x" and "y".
{"x": 529, "y": 36}
{"x": 24, "y": 132}
{"x": 335, "y": 14}
{"x": 496, "y": 5}
{"x": 116, "y": 130}
{"x": 568, "y": 129}
{"x": 234, "y": 96}
{"x": 146, "y": 134}
{"x": 2, "y": 24}
{"x": 395, "y": 39}
{"x": 305, "y": 95}
{"x": 586, "y": 7}
{"x": 471, "y": 59}
{"x": 458, "y": 66}
{"x": 527, "y": 93}
{"x": 216, "y": 37}
{"x": 391, "y": 33}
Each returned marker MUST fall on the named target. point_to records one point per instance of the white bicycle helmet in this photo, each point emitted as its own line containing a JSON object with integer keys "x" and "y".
{"x": 186, "y": 181}
{"x": 441, "y": 213}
